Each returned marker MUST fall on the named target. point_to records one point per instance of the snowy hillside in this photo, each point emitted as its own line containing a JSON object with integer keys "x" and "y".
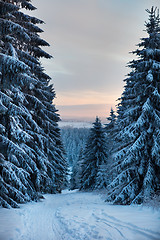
{"x": 75, "y": 124}
{"x": 78, "y": 216}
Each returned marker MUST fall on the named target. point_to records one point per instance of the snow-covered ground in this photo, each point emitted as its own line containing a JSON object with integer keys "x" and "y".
{"x": 77, "y": 215}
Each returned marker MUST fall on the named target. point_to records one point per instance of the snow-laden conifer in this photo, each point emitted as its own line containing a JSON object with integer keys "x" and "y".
{"x": 110, "y": 129}
{"x": 137, "y": 161}
{"x": 30, "y": 137}
{"x": 94, "y": 157}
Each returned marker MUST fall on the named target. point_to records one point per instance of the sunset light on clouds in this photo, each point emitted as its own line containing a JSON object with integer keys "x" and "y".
{"x": 90, "y": 42}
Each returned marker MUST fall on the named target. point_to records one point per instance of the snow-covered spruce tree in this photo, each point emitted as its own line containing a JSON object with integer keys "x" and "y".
{"x": 40, "y": 103}
{"x": 110, "y": 129}
{"x": 16, "y": 165}
{"x": 94, "y": 157}
{"x": 137, "y": 161}
{"x": 31, "y": 149}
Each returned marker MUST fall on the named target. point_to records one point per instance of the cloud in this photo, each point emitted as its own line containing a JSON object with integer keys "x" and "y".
{"x": 90, "y": 41}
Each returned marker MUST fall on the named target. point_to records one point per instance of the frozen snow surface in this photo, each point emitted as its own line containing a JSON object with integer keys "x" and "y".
{"x": 78, "y": 215}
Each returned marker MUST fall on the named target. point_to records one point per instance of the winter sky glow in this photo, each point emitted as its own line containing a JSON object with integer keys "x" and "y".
{"x": 90, "y": 41}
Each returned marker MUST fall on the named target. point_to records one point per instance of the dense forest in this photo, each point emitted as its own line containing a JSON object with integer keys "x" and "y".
{"x": 124, "y": 156}
{"x": 121, "y": 157}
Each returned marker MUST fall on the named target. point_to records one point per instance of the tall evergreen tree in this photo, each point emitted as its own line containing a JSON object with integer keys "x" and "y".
{"x": 30, "y": 145}
{"x": 110, "y": 129}
{"x": 95, "y": 155}
{"x": 137, "y": 161}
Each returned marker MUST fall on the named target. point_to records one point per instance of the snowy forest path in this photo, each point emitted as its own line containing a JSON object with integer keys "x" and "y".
{"x": 75, "y": 215}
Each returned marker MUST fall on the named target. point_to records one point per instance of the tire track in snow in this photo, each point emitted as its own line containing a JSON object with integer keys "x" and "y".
{"x": 56, "y": 229}
{"x": 131, "y": 225}
{"x": 112, "y": 228}
{"x": 78, "y": 216}
{"x": 82, "y": 229}
{"x": 98, "y": 219}
{"x": 123, "y": 225}
{"x": 37, "y": 222}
